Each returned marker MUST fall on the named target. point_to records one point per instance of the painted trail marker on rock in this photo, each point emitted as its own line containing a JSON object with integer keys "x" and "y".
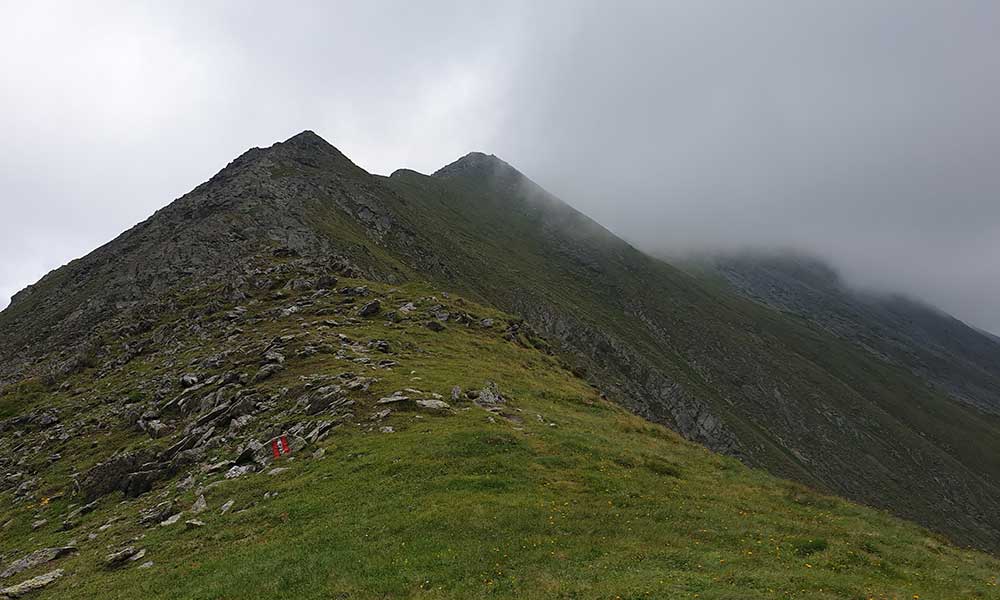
{"x": 279, "y": 446}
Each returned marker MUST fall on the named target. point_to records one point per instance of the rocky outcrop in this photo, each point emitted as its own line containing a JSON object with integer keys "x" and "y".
{"x": 128, "y": 472}
{"x": 36, "y": 558}
{"x": 31, "y": 585}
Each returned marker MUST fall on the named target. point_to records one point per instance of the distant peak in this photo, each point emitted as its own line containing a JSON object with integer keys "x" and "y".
{"x": 478, "y": 163}
{"x": 307, "y": 138}
{"x": 309, "y": 148}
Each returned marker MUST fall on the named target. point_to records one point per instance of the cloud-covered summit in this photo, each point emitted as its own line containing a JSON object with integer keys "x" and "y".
{"x": 866, "y": 133}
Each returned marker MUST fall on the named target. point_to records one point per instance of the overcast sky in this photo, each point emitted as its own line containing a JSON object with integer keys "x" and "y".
{"x": 866, "y": 132}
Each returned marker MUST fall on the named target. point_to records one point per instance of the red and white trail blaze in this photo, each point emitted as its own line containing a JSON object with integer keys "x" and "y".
{"x": 280, "y": 446}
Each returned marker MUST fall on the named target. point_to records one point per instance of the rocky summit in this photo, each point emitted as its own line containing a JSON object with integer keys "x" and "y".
{"x": 303, "y": 380}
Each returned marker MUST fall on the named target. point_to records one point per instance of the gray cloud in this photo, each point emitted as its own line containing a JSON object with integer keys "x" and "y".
{"x": 866, "y": 132}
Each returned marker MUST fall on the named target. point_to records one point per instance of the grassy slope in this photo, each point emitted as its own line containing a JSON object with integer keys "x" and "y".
{"x": 500, "y": 244}
{"x": 600, "y": 505}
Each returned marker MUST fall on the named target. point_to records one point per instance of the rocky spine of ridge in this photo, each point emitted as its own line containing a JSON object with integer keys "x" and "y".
{"x": 250, "y": 208}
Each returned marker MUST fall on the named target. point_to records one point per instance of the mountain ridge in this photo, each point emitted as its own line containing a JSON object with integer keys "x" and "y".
{"x": 944, "y": 351}
{"x": 737, "y": 377}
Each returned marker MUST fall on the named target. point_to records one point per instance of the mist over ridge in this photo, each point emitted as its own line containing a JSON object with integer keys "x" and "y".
{"x": 864, "y": 134}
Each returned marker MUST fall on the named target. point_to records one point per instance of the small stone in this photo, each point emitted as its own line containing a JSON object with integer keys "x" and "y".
{"x": 267, "y": 371}
{"x": 489, "y": 395}
{"x": 38, "y": 524}
{"x": 108, "y": 525}
{"x": 380, "y": 345}
{"x": 238, "y": 471}
{"x": 319, "y": 453}
{"x": 434, "y": 326}
{"x": 225, "y": 507}
{"x": 155, "y": 514}
{"x": 146, "y": 564}
{"x": 81, "y": 510}
{"x": 387, "y": 429}
{"x": 171, "y": 520}
{"x": 273, "y": 356}
{"x": 277, "y": 470}
{"x": 433, "y": 404}
{"x": 156, "y": 428}
{"x": 199, "y": 505}
{"x": 212, "y": 468}
{"x": 394, "y": 398}
{"x": 119, "y": 558}
{"x": 456, "y": 393}
{"x": 382, "y": 414}
{"x": 189, "y": 379}
{"x": 194, "y": 524}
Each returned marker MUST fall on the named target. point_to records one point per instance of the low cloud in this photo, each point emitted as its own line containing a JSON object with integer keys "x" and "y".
{"x": 867, "y": 133}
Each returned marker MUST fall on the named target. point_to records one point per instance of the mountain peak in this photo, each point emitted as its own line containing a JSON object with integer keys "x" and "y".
{"x": 478, "y": 164}
{"x": 306, "y": 138}
{"x": 307, "y": 147}
{"x": 309, "y": 141}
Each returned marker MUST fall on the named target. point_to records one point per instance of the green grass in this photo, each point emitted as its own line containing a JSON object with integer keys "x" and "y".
{"x": 802, "y": 403}
{"x": 469, "y": 505}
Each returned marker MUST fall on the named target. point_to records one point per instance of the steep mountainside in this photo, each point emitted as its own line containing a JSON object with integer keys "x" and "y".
{"x": 777, "y": 392}
{"x": 961, "y": 361}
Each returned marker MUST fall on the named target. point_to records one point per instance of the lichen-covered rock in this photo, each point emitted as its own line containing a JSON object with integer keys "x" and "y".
{"x": 36, "y": 558}
{"x": 322, "y": 399}
{"x": 120, "y": 557}
{"x": 433, "y": 404}
{"x": 369, "y": 309}
{"x": 31, "y": 585}
{"x": 122, "y": 472}
{"x": 489, "y": 395}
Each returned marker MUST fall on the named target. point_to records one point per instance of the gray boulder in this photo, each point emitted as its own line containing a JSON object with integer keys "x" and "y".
{"x": 369, "y": 309}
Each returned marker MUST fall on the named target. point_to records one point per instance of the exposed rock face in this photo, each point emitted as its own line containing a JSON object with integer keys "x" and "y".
{"x": 641, "y": 387}
{"x": 130, "y": 472}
